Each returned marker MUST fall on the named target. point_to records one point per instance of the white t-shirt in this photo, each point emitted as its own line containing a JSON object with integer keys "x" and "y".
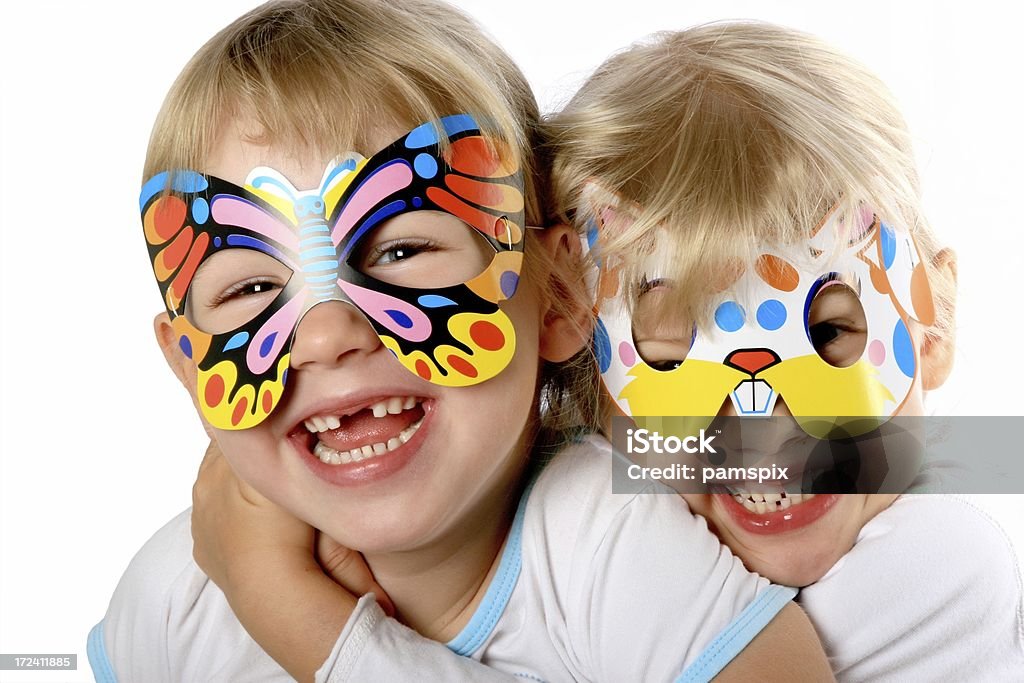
{"x": 931, "y": 591}
{"x": 591, "y": 586}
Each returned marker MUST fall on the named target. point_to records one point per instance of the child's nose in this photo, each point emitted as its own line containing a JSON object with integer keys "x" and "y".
{"x": 330, "y": 331}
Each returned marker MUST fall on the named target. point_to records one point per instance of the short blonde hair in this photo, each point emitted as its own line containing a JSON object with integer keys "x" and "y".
{"x": 733, "y": 134}
{"x": 323, "y": 75}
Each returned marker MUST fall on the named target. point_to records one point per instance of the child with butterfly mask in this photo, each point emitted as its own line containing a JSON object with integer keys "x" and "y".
{"x": 750, "y": 202}
{"x": 368, "y": 346}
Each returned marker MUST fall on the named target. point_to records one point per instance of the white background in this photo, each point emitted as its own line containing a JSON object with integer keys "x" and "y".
{"x": 99, "y": 445}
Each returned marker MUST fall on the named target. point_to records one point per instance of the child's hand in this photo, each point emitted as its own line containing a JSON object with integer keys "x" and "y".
{"x": 265, "y": 561}
{"x": 349, "y": 570}
{"x": 235, "y": 530}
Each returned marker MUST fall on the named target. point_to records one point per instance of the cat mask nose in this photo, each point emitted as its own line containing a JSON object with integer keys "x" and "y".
{"x": 752, "y": 360}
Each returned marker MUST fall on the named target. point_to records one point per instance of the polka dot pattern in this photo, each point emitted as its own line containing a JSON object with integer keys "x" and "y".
{"x": 777, "y": 272}
{"x": 486, "y": 335}
{"x": 903, "y": 349}
{"x": 462, "y": 366}
{"x": 729, "y": 316}
{"x": 213, "y": 394}
{"x": 602, "y": 346}
{"x": 876, "y": 352}
{"x": 771, "y": 314}
{"x": 627, "y": 354}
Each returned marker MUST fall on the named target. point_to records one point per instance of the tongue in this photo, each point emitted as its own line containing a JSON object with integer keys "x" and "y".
{"x": 363, "y": 429}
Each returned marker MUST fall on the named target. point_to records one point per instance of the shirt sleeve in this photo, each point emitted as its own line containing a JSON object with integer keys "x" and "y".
{"x": 168, "y": 622}
{"x": 930, "y": 591}
{"x": 649, "y": 592}
{"x": 373, "y": 647}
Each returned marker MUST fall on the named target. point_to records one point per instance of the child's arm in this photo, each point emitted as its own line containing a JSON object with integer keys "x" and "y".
{"x": 263, "y": 560}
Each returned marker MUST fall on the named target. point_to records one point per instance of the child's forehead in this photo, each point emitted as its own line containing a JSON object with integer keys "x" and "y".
{"x": 240, "y": 147}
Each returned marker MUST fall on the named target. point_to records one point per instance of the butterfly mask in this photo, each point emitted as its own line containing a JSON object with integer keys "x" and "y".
{"x": 764, "y": 342}
{"x": 423, "y": 239}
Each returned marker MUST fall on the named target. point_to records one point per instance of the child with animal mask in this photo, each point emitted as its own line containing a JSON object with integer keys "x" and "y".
{"x": 751, "y": 201}
{"x": 369, "y": 339}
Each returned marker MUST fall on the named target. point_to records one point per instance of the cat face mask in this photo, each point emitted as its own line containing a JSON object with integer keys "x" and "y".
{"x": 423, "y": 241}
{"x": 822, "y": 325}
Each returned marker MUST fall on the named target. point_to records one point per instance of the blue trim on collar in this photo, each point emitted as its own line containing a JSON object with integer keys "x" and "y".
{"x": 102, "y": 671}
{"x": 737, "y": 635}
{"x": 486, "y": 616}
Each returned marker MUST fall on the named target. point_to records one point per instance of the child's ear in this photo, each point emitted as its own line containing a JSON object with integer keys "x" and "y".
{"x": 567, "y": 321}
{"x": 939, "y": 347}
{"x": 182, "y": 366}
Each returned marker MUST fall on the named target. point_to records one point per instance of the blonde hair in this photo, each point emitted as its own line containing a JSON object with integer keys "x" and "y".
{"x": 322, "y": 76}
{"x": 731, "y": 135}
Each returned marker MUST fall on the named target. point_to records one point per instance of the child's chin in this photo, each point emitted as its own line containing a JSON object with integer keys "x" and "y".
{"x": 793, "y": 572}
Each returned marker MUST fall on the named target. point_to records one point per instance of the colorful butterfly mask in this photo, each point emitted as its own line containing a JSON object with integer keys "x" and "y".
{"x": 760, "y": 347}
{"x": 449, "y": 333}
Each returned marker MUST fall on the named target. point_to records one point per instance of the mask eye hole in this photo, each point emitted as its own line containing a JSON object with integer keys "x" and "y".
{"x": 422, "y": 250}
{"x": 232, "y": 287}
{"x": 836, "y": 325}
{"x": 661, "y": 338}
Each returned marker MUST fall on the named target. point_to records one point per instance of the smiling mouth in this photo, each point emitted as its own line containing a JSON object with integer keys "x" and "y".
{"x": 371, "y": 432}
{"x": 763, "y": 502}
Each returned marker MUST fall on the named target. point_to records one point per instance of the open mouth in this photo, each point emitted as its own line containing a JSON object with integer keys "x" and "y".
{"x": 763, "y": 503}
{"x": 373, "y": 431}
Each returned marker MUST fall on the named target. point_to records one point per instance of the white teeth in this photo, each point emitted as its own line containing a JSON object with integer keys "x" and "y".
{"x": 330, "y": 456}
{"x": 762, "y": 503}
{"x": 392, "y": 406}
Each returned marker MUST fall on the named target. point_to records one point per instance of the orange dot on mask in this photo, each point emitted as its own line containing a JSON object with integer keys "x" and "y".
{"x": 214, "y": 391}
{"x": 422, "y": 369}
{"x": 486, "y": 335}
{"x": 239, "y": 412}
{"x": 462, "y": 365}
{"x": 268, "y": 401}
{"x": 777, "y": 273}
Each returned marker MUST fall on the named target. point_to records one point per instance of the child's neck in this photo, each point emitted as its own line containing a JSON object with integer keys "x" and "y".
{"x": 437, "y": 588}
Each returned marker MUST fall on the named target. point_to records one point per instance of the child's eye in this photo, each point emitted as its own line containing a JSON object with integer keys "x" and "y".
{"x": 246, "y": 288}
{"x": 232, "y": 287}
{"x": 398, "y": 250}
{"x": 836, "y": 324}
{"x": 662, "y": 337}
{"x": 423, "y": 250}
